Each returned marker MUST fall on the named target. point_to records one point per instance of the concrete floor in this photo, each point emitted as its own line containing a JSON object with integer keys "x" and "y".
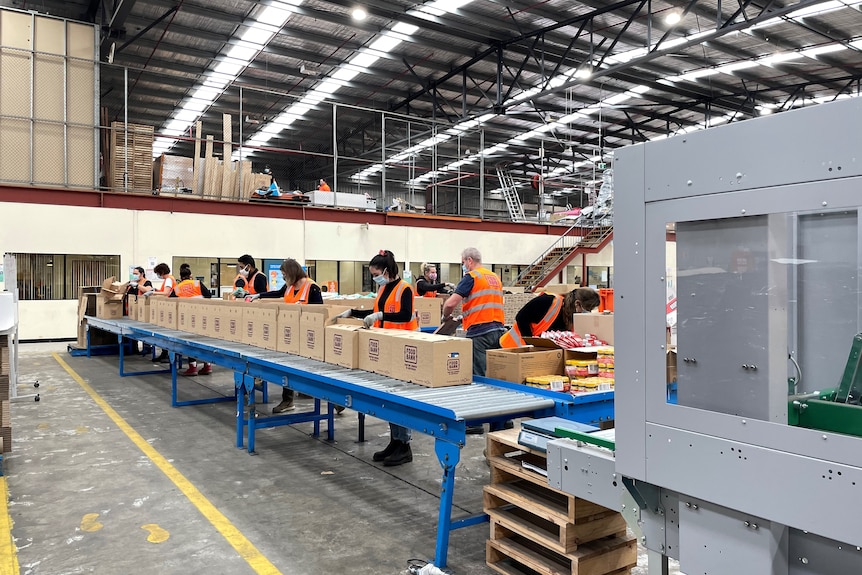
{"x": 85, "y": 498}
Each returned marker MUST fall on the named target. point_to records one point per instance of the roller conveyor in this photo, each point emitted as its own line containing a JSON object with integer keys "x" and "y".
{"x": 443, "y": 413}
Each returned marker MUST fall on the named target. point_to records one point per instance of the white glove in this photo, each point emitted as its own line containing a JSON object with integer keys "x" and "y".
{"x": 450, "y": 285}
{"x": 252, "y": 297}
{"x": 133, "y": 284}
{"x": 346, "y": 314}
{"x": 149, "y": 293}
{"x": 373, "y": 318}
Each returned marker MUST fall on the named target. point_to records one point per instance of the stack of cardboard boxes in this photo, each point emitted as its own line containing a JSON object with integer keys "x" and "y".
{"x": 109, "y": 304}
{"x": 5, "y": 382}
{"x": 316, "y": 332}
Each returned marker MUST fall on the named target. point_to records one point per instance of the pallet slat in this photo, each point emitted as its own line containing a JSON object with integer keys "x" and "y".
{"x": 606, "y": 557}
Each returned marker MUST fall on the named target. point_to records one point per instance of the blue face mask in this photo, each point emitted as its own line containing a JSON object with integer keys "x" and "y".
{"x": 136, "y": 277}
{"x": 464, "y": 269}
{"x": 380, "y": 280}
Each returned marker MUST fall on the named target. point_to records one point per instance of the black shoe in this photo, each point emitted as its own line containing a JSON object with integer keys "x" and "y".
{"x": 283, "y": 407}
{"x": 390, "y": 449}
{"x": 147, "y": 350}
{"x": 339, "y": 409}
{"x": 402, "y": 454}
{"x": 475, "y": 430}
{"x": 163, "y": 358}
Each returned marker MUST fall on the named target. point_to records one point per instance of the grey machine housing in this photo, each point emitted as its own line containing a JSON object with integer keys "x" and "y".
{"x": 766, "y": 265}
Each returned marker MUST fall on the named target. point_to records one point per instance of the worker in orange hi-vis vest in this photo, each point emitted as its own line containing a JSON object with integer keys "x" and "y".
{"x": 393, "y": 309}
{"x": 426, "y": 284}
{"x": 298, "y": 288}
{"x": 549, "y": 312}
{"x": 249, "y": 280}
{"x": 192, "y": 288}
{"x": 323, "y": 186}
{"x": 480, "y": 293}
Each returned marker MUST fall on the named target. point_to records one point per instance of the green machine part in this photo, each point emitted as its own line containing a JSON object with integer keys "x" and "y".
{"x": 836, "y": 409}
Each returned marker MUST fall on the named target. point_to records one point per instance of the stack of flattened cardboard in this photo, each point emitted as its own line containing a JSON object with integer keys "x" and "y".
{"x": 5, "y": 418}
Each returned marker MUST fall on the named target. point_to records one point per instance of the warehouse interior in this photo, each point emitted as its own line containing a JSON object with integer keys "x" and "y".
{"x": 710, "y": 144}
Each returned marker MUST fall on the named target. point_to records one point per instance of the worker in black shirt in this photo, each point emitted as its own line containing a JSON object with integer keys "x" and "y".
{"x": 549, "y": 312}
{"x": 393, "y": 309}
{"x": 140, "y": 285}
{"x": 249, "y": 279}
{"x": 427, "y": 286}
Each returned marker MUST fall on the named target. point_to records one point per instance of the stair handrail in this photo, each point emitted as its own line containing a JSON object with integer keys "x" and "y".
{"x": 558, "y": 243}
{"x": 604, "y": 233}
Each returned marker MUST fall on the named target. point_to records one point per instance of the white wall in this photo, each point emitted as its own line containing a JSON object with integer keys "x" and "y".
{"x": 136, "y": 235}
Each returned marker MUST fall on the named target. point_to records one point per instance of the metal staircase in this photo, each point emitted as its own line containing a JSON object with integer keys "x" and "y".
{"x": 510, "y": 194}
{"x": 564, "y": 250}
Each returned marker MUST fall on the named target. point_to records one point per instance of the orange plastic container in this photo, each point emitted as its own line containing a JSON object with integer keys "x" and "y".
{"x": 606, "y": 299}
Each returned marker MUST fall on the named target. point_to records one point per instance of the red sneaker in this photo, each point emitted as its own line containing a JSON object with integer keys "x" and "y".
{"x": 190, "y": 372}
{"x": 207, "y": 369}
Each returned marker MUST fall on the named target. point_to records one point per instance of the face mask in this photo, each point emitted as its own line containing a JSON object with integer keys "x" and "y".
{"x": 432, "y": 277}
{"x": 243, "y": 272}
{"x": 464, "y": 269}
{"x": 159, "y": 276}
{"x": 136, "y": 277}
{"x": 380, "y": 280}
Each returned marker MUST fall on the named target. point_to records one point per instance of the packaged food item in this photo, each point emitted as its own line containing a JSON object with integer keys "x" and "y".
{"x": 551, "y": 382}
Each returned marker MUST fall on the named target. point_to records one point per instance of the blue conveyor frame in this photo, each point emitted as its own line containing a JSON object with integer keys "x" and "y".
{"x": 442, "y": 413}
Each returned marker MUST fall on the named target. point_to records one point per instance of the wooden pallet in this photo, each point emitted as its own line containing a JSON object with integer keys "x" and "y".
{"x": 517, "y": 555}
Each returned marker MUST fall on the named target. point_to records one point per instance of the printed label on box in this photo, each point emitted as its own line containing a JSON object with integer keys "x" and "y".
{"x": 232, "y": 326}
{"x": 192, "y": 320}
{"x": 265, "y": 332}
{"x": 250, "y": 329}
{"x": 309, "y": 338}
{"x": 411, "y": 357}
{"x": 204, "y": 323}
{"x": 337, "y": 344}
{"x": 453, "y": 364}
{"x": 374, "y": 349}
{"x": 217, "y": 324}
{"x": 287, "y": 335}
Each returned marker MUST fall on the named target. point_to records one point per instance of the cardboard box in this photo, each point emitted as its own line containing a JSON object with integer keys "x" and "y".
{"x": 518, "y": 363}
{"x": 260, "y": 325}
{"x": 87, "y": 306}
{"x": 342, "y": 344}
{"x": 97, "y": 336}
{"x": 375, "y": 350}
{"x": 109, "y": 309}
{"x": 287, "y": 330}
{"x": 113, "y": 290}
{"x": 184, "y": 313}
{"x": 428, "y": 310}
{"x": 165, "y": 310}
{"x": 216, "y": 323}
{"x": 432, "y": 360}
{"x": 561, "y": 289}
{"x": 598, "y": 324}
{"x": 230, "y": 314}
{"x": 312, "y": 326}
{"x": 362, "y": 303}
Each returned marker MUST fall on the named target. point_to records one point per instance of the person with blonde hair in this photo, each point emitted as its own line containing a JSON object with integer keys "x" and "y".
{"x": 427, "y": 285}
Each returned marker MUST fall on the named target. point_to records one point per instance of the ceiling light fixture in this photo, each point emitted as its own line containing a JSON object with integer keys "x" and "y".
{"x": 359, "y": 13}
{"x": 673, "y": 18}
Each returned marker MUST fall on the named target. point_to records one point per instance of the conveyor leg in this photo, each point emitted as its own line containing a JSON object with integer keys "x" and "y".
{"x": 175, "y": 358}
{"x": 89, "y": 353}
{"x": 361, "y": 437}
{"x": 316, "y": 432}
{"x": 330, "y": 421}
{"x": 448, "y": 454}
{"x": 239, "y": 384}
{"x": 250, "y": 422}
{"x": 122, "y": 353}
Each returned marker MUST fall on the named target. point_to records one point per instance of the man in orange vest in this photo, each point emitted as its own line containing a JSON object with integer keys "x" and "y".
{"x": 480, "y": 293}
{"x": 249, "y": 279}
{"x": 323, "y": 186}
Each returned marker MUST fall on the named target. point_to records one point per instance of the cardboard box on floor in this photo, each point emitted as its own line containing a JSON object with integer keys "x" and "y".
{"x": 428, "y": 310}
{"x": 375, "y": 350}
{"x": 599, "y": 324}
{"x": 431, "y": 360}
{"x": 260, "y": 325}
{"x": 342, "y": 344}
{"x": 287, "y": 328}
{"x": 312, "y": 326}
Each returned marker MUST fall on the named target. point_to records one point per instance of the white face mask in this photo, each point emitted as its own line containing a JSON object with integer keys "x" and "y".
{"x": 432, "y": 277}
{"x": 244, "y": 272}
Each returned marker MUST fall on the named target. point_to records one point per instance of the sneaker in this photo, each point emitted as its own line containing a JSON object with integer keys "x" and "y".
{"x": 475, "y": 430}
{"x": 259, "y": 384}
{"x": 402, "y": 454}
{"x": 282, "y": 407}
{"x": 339, "y": 409}
{"x": 390, "y": 449}
{"x": 163, "y": 357}
{"x": 206, "y": 370}
{"x": 190, "y": 372}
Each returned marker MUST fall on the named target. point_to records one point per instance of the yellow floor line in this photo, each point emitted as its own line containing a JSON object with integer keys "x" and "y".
{"x": 234, "y": 536}
{"x": 8, "y": 550}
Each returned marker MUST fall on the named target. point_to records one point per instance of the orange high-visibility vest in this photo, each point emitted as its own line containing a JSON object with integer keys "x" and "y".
{"x": 324, "y": 187}
{"x": 393, "y": 305}
{"x": 189, "y": 288}
{"x": 164, "y": 281}
{"x": 301, "y": 295}
{"x": 249, "y": 282}
{"x": 485, "y": 302}
{"x": 513, "y": 337}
